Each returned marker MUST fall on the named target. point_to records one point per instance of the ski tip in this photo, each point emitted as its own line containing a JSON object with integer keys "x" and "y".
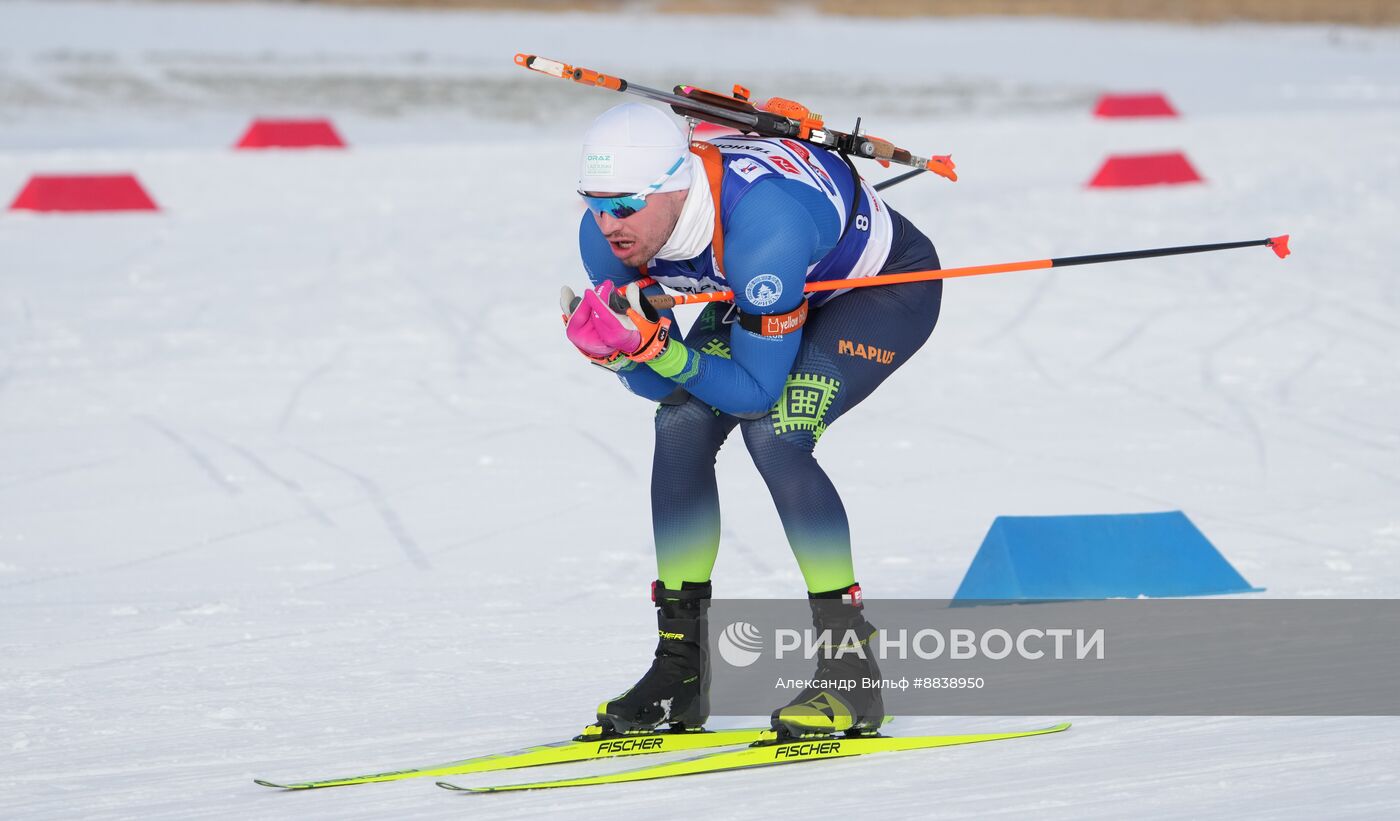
{"x": 263, "y": 783}
{"x": 447, "y": 785}
{"x": 1280, "y": 245}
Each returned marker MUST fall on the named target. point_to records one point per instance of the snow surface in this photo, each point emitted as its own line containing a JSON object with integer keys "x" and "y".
{"x": 299, "y": 477}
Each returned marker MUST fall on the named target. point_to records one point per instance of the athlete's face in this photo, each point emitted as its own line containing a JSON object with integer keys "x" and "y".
{"x": 636, "y": 238}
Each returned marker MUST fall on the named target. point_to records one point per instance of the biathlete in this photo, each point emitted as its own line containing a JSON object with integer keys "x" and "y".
{"x": 761, "y": 217}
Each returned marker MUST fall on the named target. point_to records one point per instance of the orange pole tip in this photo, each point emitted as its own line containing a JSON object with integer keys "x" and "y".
{"x": 943, "y": 166}
{"x": 1280, "y": 245}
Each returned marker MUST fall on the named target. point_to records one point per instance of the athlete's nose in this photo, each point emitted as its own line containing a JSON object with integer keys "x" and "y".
{"x": 608, "y": 224}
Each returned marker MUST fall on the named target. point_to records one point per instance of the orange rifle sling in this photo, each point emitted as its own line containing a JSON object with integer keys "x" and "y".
{"x": 714, "y": 173}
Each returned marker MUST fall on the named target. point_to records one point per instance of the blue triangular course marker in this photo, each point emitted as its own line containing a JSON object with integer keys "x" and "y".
{"x": 1046, "y": 558}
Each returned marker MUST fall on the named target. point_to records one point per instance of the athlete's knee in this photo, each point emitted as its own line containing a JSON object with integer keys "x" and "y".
{"x": 807, "y": 405}
{"x": 777, "y": 454}
{"x": 689, "y": 425}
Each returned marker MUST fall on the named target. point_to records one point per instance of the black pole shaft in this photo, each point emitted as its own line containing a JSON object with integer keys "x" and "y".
{"x": 1089, "y": 259}
{"x": 881, "y": 186}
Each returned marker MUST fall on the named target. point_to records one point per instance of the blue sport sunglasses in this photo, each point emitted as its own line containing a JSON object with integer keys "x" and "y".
{"x": 625, "y": 206}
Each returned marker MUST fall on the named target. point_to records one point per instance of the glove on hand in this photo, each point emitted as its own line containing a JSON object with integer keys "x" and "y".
{"x": 653, "y": 329}
{"x": 593, "y": 327}
{"x": 604, "y": 322}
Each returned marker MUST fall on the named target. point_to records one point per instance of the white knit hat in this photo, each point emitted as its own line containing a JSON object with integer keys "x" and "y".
{"x": 628, "y": 148}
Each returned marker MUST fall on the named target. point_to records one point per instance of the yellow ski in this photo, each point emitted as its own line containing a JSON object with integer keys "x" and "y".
{"x": 586, "y": 747}
{"x": 766, "y": 753}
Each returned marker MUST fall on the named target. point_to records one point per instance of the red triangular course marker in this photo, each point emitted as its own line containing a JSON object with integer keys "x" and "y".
{"x": 264, "y": 133}
{"x": 83, "y": 193}
{"x": 1280, "y": 245}
{"x": 1129, "y": 170}
{"x": 1153, "y": 104}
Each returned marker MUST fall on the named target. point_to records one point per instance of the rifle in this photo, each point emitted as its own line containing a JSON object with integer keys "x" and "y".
{"x": 776, "y": 117}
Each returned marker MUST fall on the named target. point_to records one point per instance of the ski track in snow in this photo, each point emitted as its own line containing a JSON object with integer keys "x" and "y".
{"x": 49, "y": 473}
{"x": 393, "y": 521}
{"x": 196, "y": 455}
{"x": 1124, "y": 343}
{"x": 1210, "y": 377}
{"x": 289, "y": 408}
{"x": 299, "y": 477}
{"x": 291, "y": 485}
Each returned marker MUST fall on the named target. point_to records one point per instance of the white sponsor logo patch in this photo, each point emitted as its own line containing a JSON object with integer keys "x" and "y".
{"x": 598, "y": 165}
{"x": 748, "y": 169}
{"x": 763, "y": 290}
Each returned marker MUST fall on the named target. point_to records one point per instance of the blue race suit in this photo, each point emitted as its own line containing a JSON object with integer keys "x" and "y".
{"x": 791, "y": 213}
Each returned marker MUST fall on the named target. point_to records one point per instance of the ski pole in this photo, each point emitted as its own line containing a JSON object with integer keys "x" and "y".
{"x": 1279, "y": 245}
{"x": 893, "y": 181}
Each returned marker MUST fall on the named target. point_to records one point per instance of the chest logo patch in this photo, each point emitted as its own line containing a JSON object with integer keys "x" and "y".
{"x": 748, "y": 169}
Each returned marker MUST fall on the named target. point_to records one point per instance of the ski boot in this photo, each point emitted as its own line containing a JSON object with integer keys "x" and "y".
{"x": 847, "y": 655}
{"x": 676, "y": 690}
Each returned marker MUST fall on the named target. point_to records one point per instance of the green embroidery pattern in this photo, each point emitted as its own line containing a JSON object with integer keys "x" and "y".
{"x": 716, "y": 347}
{"x": 806, "y": 399}
{"x": 692, "y": 367}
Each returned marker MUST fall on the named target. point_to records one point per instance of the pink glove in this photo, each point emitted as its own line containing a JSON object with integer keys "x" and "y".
{"x": 594, "y": 328}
